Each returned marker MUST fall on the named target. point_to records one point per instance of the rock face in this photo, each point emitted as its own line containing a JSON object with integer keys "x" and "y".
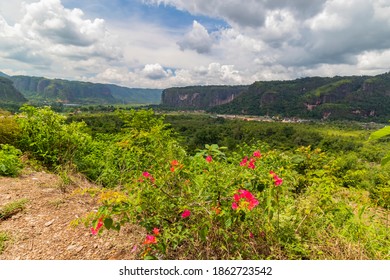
{"x": 200, "y": 97}
{"x": 365, "y": 98}
{"x": 8, "y": 93}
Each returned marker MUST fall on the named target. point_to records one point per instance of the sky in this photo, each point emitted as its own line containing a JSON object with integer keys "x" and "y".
{"x": 166, "y": 43}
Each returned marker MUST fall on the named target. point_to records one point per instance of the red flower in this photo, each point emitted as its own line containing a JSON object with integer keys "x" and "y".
{"x": 277, "y": 180}
{"x": 156, "y": 231}
{"x": 244, "y": 161}
{"x": 251, "y": 164}
{"x": 209, "y": 159}
{"x": 148, "y": 175}
{"x": 244, "y": 199}
{"x": 257, "y": 154}
{"x": 174, "y": 162}
{"x": 95, "y": 230}
{"x": 150, "y": 239}
{"x": 251, "y": 235}
{"x": 186, "y": 213}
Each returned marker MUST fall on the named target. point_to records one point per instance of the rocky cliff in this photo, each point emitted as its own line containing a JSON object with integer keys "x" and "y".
{"x": 200, "y": 97}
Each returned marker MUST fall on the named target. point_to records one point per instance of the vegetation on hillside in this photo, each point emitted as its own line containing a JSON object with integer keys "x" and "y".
{"x": 252, "y": 200}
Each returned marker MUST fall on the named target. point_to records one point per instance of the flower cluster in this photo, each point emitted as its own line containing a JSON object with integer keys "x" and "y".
{"x": 95, "y": 230}
{"x": 151, "y": 239}
{"x": 174, "y": 164}
{"x": 251, "y": 162}
{"x": 148, "y": 176}
{"x": 277, "y": 180}
{"x": 244, "y": 199}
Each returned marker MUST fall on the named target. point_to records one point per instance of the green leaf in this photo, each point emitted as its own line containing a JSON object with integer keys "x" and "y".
{"x": 228, "y": 223}
{"x": 203, "y": 233}
{"x": 108, "y": 223}
{"x": 380, "y": 133}
{"x": 386, "y": 159}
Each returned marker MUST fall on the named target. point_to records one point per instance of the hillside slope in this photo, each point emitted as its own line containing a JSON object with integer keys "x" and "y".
{"x": 8, "y": 93}
{"x": 42, "y": 230}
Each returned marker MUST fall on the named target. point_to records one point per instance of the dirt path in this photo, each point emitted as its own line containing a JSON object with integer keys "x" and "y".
{"x": 42, "y": 231}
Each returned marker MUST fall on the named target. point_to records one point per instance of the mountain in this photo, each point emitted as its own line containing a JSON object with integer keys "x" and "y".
{"x": 200, "y": 97}
{"x": 3, "y": 75}
{"x": 135, "y": 95}
{"x": 8, "y": 93}
{"x": 76, "y": 92}
{"x": 350, "y": 97}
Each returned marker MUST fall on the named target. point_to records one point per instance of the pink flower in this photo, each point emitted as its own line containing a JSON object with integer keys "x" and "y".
{"x": 148, "y": 175}
{"x": 150, "y": 239}
{"x": 244, "y": 199}
{"x": 95, "y": 230}
{"x": 156, "y": 231}
{"x": 277, "y": 180}
{"x": 209, "y": 158}
{"x": 251, "y": 164}
{"x": 257, "y": 154}
{"x": 135, "y": 247}
{"x": 186, "y": 213}
{"x": 251, "y": 235}
{"x": 244, "y": 161}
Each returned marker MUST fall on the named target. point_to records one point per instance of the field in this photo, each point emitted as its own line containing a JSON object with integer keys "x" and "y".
{"x": 197, "y": 186}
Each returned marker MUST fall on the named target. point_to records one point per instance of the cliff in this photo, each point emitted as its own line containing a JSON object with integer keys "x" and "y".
{"x": 352, "y": 97}
{"x": 200, "y": 97}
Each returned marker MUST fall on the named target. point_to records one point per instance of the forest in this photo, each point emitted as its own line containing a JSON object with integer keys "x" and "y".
{"x": 206, "y": 187}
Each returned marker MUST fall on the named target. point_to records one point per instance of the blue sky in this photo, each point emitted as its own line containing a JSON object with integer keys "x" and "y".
{"x": 164, "y": 43}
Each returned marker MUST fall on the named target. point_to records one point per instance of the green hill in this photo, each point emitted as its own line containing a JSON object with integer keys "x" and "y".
{"x": 8, "y": 93}
{"x": 41, "y": 89}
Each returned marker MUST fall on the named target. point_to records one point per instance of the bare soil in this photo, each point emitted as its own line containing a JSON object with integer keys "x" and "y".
{"x": 42, "y": 231}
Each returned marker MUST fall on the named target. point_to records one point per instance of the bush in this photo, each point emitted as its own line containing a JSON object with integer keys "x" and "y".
{"x": 46, "y": 135}
{"x": 9, "y": 129}
{"x": 10, "y": 163}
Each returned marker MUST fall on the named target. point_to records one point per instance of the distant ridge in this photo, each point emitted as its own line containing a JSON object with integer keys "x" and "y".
{"x": 40, "y": 89}
{"x": 363, "y": 98}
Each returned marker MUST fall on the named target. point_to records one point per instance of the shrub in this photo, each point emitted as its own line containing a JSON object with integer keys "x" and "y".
{"x": 10, "y": 163}
{"x": 9, "y": 129}
{"x": 46, "y": 135}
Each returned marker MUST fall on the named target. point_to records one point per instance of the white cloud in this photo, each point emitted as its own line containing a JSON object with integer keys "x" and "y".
{"x": 197, "y": 39}
{"x": 262, "y": 40}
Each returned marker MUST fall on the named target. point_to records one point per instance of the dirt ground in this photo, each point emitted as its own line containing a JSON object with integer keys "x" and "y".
{"x": 42, "y": 230}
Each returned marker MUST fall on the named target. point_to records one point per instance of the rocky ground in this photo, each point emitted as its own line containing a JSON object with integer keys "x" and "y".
{"x": 42, "y": 230}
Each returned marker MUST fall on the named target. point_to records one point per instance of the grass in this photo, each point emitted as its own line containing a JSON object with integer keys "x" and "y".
{"x": 12, "y": 208}
{"x": 4, "y": 237}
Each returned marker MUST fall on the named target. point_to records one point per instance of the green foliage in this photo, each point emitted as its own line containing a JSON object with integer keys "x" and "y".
{"x": 381, "y": 133}
{"x": 251, "y": 201}
{"x": 10, "y": 164}
{"x": 46, "y": 135}
{"x": 9, "y": 129}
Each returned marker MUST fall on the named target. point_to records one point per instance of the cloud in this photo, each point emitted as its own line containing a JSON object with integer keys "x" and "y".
{"x": 197, "y": 39}
{"x": 155, "y": 72}
{"x": 120, "y": 42}
{"x": 51, "y": 36}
